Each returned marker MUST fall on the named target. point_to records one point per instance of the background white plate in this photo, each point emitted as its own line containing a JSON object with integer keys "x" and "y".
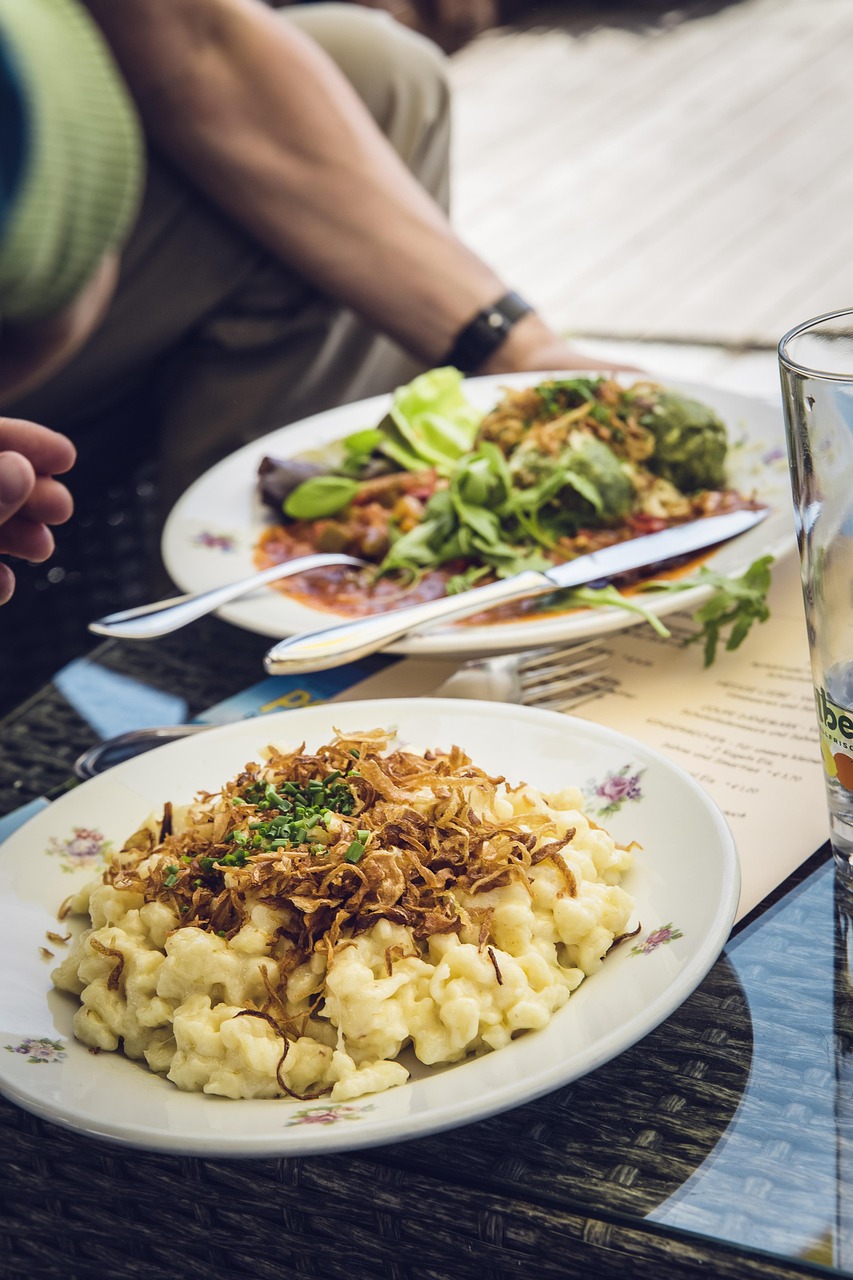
{"x": 212, "y": 530}
{"x": 685, "y": 883}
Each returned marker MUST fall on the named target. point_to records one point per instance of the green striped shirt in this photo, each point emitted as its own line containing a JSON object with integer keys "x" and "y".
{"x": 79, "y": 185}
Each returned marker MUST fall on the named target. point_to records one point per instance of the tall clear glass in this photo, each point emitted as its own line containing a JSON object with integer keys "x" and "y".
{"x": 816, "y": 368}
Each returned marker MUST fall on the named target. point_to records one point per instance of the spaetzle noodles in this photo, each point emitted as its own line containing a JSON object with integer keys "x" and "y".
{"x": 294, "y": 932}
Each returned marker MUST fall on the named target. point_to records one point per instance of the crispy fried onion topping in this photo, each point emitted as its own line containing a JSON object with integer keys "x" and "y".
{"x": 334, "y": 841}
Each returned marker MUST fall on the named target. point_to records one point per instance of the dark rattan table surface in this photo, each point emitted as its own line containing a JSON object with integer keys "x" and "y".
{"x": 719, "y": 1145}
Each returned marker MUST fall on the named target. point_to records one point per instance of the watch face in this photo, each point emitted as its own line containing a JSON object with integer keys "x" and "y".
{"x": 485, "y": 333}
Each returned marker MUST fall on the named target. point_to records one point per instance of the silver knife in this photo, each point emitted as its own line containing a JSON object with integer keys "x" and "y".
{"x": 348, "y": 641}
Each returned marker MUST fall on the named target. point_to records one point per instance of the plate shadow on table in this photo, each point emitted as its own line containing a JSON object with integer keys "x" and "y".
{"x": 561, "y": 1184}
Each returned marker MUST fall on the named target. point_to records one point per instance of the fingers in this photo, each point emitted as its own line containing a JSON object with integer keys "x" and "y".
{"x": 473, "y": 16}
{"x": 28, "y": 492}
{"x": 30, "y": 498}
{"x": 17, "y": 482}
{"x": 50, "y": 502}
{"x": 7, "y": 583}
{"x": 28, "y": 504}
{"x": 26, "y": 540}
{"x": 49, "y": 452}
{"x": 19, "y": 536}
{"x": 454, "y": 23}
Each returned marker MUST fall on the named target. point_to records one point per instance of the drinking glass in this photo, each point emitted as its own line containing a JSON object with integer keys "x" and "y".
{"x": 816, "y": 368}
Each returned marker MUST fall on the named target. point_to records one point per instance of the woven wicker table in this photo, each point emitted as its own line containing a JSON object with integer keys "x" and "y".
{"x": 720, "y": 1145}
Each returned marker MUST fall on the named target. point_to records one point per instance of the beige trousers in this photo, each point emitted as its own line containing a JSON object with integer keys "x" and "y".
{"x": 210, "y": 341}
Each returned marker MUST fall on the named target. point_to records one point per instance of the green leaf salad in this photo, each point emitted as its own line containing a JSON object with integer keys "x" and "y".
{"x": 438, "y": 496}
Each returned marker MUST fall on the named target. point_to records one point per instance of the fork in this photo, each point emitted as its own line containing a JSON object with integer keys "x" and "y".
{"x": 555, "y": 678}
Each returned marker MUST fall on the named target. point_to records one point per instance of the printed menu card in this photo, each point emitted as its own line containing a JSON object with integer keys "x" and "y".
{"x": 745, "y": 727}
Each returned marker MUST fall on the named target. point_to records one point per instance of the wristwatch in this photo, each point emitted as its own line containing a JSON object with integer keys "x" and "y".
{"x": 485, "y": 333}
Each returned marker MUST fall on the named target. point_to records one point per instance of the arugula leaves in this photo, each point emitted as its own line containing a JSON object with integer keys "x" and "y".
{"x": 734, "y": 605}
{"x": 486, "y": 514}
{"x": 474, "y": 517}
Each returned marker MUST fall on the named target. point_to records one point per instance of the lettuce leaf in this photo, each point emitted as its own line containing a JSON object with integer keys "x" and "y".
{"x": 430, "y": 423}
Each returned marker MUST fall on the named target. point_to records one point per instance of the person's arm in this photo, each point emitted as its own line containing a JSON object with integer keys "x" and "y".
{"x": 70, "y": 173}
{"x": 70, "y": 166}
{"x": 257, "y": 115}
{"x": 70, "y": 177}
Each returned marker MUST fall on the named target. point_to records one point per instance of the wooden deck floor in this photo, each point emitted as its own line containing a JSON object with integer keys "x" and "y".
{"x": 681, "y": 175}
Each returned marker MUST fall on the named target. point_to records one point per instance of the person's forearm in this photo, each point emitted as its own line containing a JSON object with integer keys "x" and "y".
{"x": 262, "y": 121}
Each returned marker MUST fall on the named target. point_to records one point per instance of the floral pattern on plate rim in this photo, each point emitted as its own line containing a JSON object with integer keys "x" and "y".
{"x": 330, "y": 1113}
{"x": 39, "y": 1050}
{"x": 659, "y": 937}
{"x": 84, "y": 848}
{"x": 620, "y": 786}
{"x": 215, "y": 541}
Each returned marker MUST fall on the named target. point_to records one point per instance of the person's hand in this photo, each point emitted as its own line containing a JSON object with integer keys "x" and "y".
{"x": 532, "y": 346}
{"x": 453, "y": 23}
{"x": 30, "y": 498}
{"x": 450, "y": 23}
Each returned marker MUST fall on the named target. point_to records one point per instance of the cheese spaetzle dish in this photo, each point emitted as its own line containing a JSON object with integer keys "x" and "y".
{"x": 295, "y": 932}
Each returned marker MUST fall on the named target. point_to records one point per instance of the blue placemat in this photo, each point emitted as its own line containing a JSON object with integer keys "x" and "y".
{"x": 284, "y": 693}
{"x": 115, "y": 712}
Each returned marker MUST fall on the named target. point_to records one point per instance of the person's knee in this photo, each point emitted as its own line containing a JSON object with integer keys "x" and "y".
{"x": 402, "y": 77}
{"x": 407, "y": 70}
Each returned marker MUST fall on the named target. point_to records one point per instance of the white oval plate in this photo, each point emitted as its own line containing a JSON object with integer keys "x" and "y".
{"x": 211, "y": 532}
{"x": 685, "y": 883}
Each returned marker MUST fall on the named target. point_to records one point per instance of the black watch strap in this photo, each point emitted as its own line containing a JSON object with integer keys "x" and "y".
{"x": 485, "y": 333}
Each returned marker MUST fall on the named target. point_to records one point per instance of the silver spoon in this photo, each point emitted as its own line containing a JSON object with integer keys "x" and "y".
{"x": 147, "y": 621}
{"x": 104, "y": 755}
